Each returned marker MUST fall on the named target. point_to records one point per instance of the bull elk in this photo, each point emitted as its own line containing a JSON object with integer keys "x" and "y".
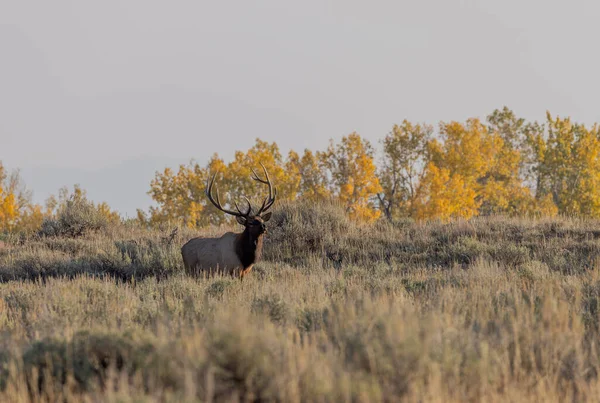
{"x": 232, "y": 253}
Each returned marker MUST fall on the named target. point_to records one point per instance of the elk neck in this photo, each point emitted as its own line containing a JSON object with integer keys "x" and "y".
{"x": 248, "y": 248}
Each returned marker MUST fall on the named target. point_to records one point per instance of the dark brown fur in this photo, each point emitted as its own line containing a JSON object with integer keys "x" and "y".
{"x": 248, "y": 250}
{"x": 249, "y": 244}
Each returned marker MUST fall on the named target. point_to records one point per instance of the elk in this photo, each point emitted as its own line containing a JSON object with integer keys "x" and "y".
{"x": 232, "y": 253}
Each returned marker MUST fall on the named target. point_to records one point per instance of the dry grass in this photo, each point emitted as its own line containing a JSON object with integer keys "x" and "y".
{"x": 489, "y": 310}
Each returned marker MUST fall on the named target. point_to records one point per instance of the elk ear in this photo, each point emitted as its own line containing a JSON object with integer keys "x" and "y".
{"x": 241, "y": 220}
{"x": 266, "y": 217}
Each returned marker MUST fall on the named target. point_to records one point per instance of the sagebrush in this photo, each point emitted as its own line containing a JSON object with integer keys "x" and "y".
{"x": 490, "y": 309}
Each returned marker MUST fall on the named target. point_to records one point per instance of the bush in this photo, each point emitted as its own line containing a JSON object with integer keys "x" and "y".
{"x": 301, "y": 228}
{"x": 87, "y": 358}
{"x": 273, "y": 306}
{"x": 477, "y": 310}
{"x": 76, "y": 218}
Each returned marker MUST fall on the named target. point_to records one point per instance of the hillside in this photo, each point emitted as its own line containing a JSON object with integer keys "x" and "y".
{"x": 490, "y": 309}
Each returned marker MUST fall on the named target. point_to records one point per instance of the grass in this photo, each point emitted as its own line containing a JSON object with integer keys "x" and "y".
{"x": 493, "y": 309}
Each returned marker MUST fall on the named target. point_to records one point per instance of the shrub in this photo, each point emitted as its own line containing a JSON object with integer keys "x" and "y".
{"x": 273, "y": 306}
{"x": 75, "y": 218}
{"x": 87, "y": 358}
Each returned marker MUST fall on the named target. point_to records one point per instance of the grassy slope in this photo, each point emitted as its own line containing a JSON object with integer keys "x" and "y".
{"x": 489, "y": 310}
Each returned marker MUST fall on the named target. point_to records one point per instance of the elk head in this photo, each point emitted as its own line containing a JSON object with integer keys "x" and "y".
{"x": 253, "y": 222}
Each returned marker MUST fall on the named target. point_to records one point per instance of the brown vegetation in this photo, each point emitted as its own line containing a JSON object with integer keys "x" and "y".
{"x": 491, "y": 309}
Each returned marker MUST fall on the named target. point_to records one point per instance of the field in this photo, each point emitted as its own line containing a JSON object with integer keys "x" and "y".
{"x": 491, "y": 309}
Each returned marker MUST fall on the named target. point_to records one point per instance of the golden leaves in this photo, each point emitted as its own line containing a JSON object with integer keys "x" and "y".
{"x": 503, "y": 166}
{"x": 345, "y": 172}
{"x": 472, "y": 171}
{"x": 354, "y": 181}
{"x": 568, "y": 166}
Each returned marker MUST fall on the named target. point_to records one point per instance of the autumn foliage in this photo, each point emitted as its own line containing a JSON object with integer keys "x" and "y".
{"x": 16, "y": 210}
{"x": 500, "y": 165}
{"x": 69, "y": 213}
{"x": 503, "y": 165}
{"x": 345, "y": 172}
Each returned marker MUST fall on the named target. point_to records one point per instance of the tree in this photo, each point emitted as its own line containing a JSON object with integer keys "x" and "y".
{"x": 518, "y": 134}
{"x": 445, "y": 195}
{"x": 238, "y": 175}
{"x": 568, "y": 166}
{"x": 512, "y": 129}
{"x": 313, "y": 185}
{"x": 9, "y": 211}
{"x": 17, "y": 213}
{"x": 402, "y": 168}
{"x": 354, "y": 180}
{"x": 181, "y": 196}
{"x": 474, "y": 166}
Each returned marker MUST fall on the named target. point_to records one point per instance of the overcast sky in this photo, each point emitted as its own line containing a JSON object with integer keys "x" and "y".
{"x": 104, "y": 93}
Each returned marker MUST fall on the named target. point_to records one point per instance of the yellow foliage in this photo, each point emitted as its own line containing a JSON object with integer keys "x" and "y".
{"x": 111, "y": 216}
{"x": 354, "y": 180}
{"x": 239, "y": 172}
{"x": 16, "y": 211}
{"x": 32, "y": 218}
{"x": 445, "y": 195}
{"x": 19, "y": 214}
{"x": 568, "y": 165}
{"x": 9, "y": 212}
{"x": 311, "y": 176}
{"x": 181, "y": 196}
{"x": 509, "y": 167}
{"x": 476, "y": 169}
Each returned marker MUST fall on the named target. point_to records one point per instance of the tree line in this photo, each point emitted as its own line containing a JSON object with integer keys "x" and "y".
{"x": 500, "y": 165}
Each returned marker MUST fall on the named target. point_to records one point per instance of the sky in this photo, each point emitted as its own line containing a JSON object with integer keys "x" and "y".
{"x": 106, "y": 93}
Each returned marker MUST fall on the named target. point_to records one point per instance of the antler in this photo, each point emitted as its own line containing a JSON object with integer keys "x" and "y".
{"x": 217, "y": 203}
{"x": 267, "y": 202}
{"x": 270, "y": 199}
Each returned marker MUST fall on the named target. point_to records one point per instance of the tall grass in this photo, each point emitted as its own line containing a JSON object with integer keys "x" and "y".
{"x": 492, "y": 309}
